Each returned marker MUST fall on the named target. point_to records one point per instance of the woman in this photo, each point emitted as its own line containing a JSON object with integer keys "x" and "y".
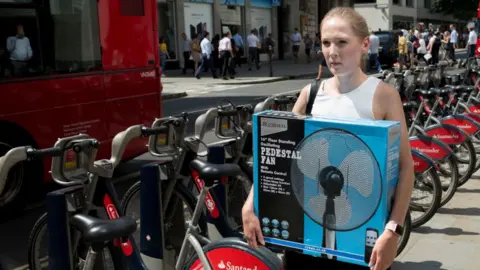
{"x": 350, "y": 93}
{"x": 422, "y": 48}
{"x": 163, "y": 54}
{"x": 196, "y": 53}
{"x": 446, "y": 44}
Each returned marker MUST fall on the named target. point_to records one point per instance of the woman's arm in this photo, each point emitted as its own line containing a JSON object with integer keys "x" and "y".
{"x": 300, "y": 106}
{"x": 393, "y": 110}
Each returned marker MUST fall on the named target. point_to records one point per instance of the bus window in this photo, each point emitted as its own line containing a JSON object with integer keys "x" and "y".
{"x": 64, "y": 38}
{"x": 132, "y": 8}
{"x": 19, "y": 44}
{"x": 75, "y": 40}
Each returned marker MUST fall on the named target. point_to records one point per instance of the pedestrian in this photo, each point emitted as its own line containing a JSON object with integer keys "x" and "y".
{"x": 422, "y": 48}
{"x": 239, "y": 45}
{"x": 296, "y": 39}
{"x": 402, "y": 51}
{"x": 446, "y": 45}
{"x": 308, "y": 47}
{"x": 350, "y": 93}
{"x": 373, "y": 52}
{"x": 225, "y": 53}
{"x": 317, "y": 45}
{"x": 187, "y": 49}
{"x": 207, "y": 59}
{"x": 253, "y": 44}
{"x": 163, "y": 54}
{"x": 196, "y": 54}
{"x": 472, "y": 42}
{"x": 433, "y": 49}
{"x": 453, "y": 42}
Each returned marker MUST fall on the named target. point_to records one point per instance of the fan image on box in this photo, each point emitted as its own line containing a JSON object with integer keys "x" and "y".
{"x": 337, "y": 182}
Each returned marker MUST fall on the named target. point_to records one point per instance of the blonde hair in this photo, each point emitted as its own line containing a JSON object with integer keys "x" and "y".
{"x": 357, "y": 23}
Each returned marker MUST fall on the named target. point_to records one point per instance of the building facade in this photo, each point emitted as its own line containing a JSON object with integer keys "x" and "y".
{"x": 193, "y": 17}
{"x": 400, "y": 14}
{"x": 278, "y": 17}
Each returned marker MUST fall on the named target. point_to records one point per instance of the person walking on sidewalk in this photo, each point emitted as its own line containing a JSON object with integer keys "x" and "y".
{"x": 163, "y": 54}
{"x": 207, "y": 59}
{"x": 240, "y": 45}
{"x": 308, "y": 47}
{"x": 296, "y": 40}
{"x": 225, "y": 53}
{"x": 253, "y": 42}
{"x": 373, "y": 51}
{"x": 453, "y": 43}
{"x": 187, "y": 48}
{"x": 472, "y": 42}
{"x": 349, "y": 93}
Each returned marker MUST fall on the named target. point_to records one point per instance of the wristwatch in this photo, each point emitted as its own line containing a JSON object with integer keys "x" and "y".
{"x": 394, "y": 227}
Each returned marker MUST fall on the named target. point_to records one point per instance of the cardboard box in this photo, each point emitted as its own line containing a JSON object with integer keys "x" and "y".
{"x": 324, "y": 186}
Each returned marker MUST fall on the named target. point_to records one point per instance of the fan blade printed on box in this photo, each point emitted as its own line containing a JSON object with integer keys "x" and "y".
{"x": 337, "y": 181}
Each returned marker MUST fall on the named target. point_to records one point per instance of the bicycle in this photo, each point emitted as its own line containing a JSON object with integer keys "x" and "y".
{"x": 98, "y": 191}
{"x": 66, "y": 208}
{"x": 185, "y": 149}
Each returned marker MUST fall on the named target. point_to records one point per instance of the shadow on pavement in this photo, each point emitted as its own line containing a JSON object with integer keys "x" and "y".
{"x": 446, "y": 231}
{"x": 466, "y": 190}
{"x": 470, "y": 211}
{"x": 426, "y": 265}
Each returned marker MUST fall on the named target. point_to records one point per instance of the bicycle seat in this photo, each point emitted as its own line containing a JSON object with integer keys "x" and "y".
{"x": 410, "y": 105}
{"x": 97, "y": 230}
{"x": 210, "y": 172}
{"x": 458, "y": 88}
{"x": 398, "y": 74}
{"x": 444, "y": 91}
{"x": 426, "y": 93}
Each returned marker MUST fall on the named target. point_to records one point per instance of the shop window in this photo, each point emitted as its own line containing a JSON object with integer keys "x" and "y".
{"x": 132, "y": 7}
{"x": 396, "y": 2}
{"x": 409, "y": 3}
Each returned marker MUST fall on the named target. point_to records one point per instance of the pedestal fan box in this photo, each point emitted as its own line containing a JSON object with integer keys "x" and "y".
{"x": 324, "y": 186}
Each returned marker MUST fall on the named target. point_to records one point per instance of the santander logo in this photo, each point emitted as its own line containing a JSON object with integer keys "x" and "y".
{"x": 467, "y": 126}
{"x": 449, "y": 136}
{"x": 230, "y": 266}
{"x": 416, "y": 163}
{"x": 428, "y": 150}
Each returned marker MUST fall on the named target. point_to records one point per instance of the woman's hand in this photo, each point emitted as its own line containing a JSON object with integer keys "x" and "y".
{"x": 251, "y": 227}
{"x": 384, "y": 251}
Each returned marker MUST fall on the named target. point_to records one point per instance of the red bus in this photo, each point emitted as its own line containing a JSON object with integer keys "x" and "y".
{"x": 80, "y": 66}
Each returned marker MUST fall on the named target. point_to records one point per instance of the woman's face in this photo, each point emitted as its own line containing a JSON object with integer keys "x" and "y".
{"x": 341, "y": 48}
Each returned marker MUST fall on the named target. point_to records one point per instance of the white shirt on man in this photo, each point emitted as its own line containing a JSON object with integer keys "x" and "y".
{"x": 252, "y": 40}
{"x": 19, "y": 48}
{"x": 225, "y": 44}
{"x": 472, "y": 38}
{"x": 374, "y": 44}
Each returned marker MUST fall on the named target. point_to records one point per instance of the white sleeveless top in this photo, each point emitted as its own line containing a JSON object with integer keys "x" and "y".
{"x": 357, "y": 103}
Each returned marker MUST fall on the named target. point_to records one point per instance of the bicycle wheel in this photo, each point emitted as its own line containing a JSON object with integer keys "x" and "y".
{"x": 449, "y": 178}
{"x": 110, "y": 258}
{"x": 407, "y": 229}
{"x": 466, "y": 156}
{"x": 430, "y": 183}
{"x": 179, "y": 210}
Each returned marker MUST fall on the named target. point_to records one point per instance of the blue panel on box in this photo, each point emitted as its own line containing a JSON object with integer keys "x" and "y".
{"x": 324, "y": 185}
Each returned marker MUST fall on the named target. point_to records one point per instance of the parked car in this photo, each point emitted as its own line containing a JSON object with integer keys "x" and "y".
{"x": 388, "y": 54}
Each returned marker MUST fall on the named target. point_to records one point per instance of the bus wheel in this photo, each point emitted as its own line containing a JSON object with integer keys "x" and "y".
{"x": 13, "y": 196}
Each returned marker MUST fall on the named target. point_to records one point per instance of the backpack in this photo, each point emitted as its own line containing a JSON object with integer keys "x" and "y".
{"x": 311, "y": 97}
